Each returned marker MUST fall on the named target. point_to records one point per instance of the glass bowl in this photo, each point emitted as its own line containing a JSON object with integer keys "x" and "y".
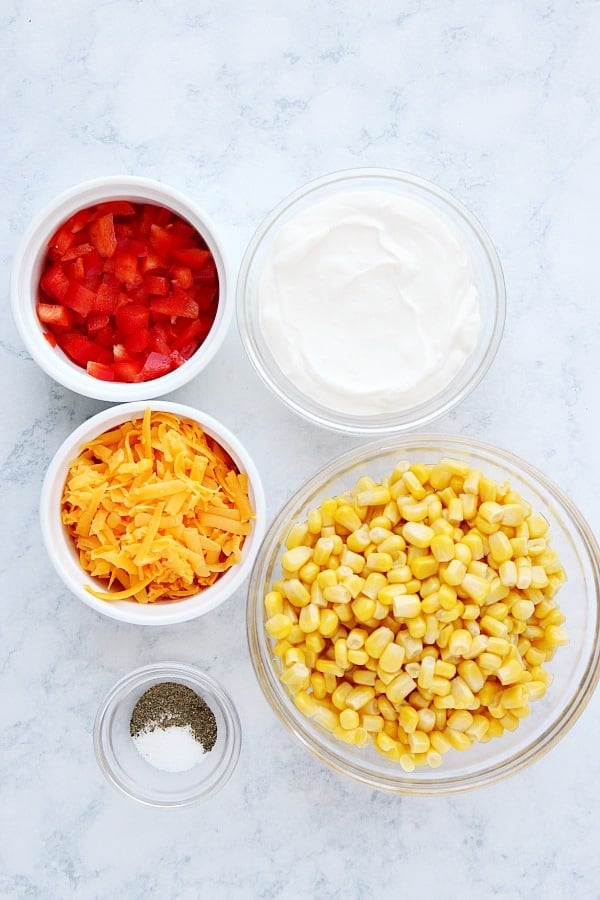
{"x": 125, "y": 768}
{"x": 488, "y": 279}
{"x": 61, "y": 549}
{"x": 575, "y": 667}
{"x": 27, "y": 268}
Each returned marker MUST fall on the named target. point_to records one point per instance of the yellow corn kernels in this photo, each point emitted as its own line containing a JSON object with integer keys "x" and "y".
{"x": 417, "y": 612}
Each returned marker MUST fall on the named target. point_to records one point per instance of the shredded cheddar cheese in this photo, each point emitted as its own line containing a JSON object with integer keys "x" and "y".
{"x": 157, "y": 509}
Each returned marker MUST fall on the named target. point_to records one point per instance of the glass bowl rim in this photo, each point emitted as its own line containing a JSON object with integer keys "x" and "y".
{"x": 295, "y": 722}
{"x": 427, "y": 411}
{"x": 147, "y": 675}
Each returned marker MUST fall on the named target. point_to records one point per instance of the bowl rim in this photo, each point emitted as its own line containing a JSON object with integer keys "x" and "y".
{"x": 148, "y": 674}
{"x": 425, "y": 412}
{"x": 293, "y": 720}
{"x": 57, "y": 210}
{"x": 53, "y": 532}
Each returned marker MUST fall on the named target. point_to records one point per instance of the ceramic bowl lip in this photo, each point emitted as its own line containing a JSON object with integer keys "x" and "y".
{"x": 62, "y": 554}
{"x": 210, "y": 689}
{"x": 29, "y": 258}
{"x": 301, "y": 727}
{"x": 424, "y": 413}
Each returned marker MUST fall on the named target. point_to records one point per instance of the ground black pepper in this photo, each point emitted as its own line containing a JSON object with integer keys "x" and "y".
{"x": 170, "y": 704}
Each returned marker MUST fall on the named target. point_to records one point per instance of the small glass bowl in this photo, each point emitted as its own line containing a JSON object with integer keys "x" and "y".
{"x": 488, "y": 279}
{"x": 128, "y": 771}
{"x": 27, "y": 268}
{"x": 575, "y": 667}
{"x": 61, "y": 549}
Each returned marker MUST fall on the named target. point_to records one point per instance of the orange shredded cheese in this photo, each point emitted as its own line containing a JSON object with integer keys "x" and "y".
{"x": 156, "y": 509}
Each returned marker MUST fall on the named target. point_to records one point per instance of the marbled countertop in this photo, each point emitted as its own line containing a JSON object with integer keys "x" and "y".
{"x": 238, "y": 105}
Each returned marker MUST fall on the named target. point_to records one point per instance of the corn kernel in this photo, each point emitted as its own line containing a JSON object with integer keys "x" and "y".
{"x": 510, "y": 672}
{"x": 477, "y": 588}
{"x": 296, "y": 592}
{"x": 460, "y": 642}
{"x": 424, "y": 567}
{"x": 408, "y": 718}
{"x": 417, "y": 534}
{"x": 347, "y": 517}
{"x": 349, "y": 718}
{"x": 294, "y": 559}
{"x": 279, "y": 626}
{"x": 378, "y": 495}
{"x": 378, "y": 640}
{"x": 400, "y": 688}
{"x": 500, "y": 547}
{"x": 296, "y": 536}
{"x": 359, "y": 696}
{"x": 454, "y": 572}
{"x": 392, "y": 658}
{"x": 308, "y": 619}
{"x": 406, "y": 606}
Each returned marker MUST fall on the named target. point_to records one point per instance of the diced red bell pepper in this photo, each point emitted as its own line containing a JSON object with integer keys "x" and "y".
{"x": 132, "y": 317}
{"x": 138, "y": 288}
{"x": 78, "y": 250}
{"x": 153, "y": 262}
{"x": 105, "y": 336}
{"x": 93, "y": 264}
{"x": 178, "y": 304}
{"x": 54, "y": 282}
{"x": 126, "y": 269}
{"x": 62, "y": 240}
{"x": 81, "y": 349}
{"x": 80, "y": 219}
{"x": 183, "y": 276}
{"x": 157, "y": 285}
{"x": 158, "y": 340}
{"x": 76, "y": 270}
{"x": 50, "y": 338}
{"x": 138, "y": 340}
{"x": 97, "y": 321}
{"x": 100, "y": 370}
{"x": 127, "y": 370}
{"x": 102, "y": 235}
{"x": 107, "y": 297}
{"x": 115, "y": 208}
{"x": 156, "y": 364}
{"x": 55, "y": 314}
{"x": 193, "y": 257}
{"x": 79, "y": 298}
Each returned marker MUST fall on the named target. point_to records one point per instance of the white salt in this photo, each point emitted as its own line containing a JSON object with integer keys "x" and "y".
{"x": 173, "y": 749}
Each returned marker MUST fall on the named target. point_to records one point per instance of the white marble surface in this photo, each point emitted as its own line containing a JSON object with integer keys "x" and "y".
{"x": 237, "y": 105}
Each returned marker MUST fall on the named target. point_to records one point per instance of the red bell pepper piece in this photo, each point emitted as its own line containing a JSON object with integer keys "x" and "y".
{"x": 78, "y": 250}
{"x": 100, "y": 370}
{"x": 126, "y": 269}
{"x": 55, "y": 314}
{"x": 96, "y": 321}
{"x": 62, "y": 240}
{"x": 137, "y": 341}
{"x": 193, "y": 257}
{"x": 107, "y": 297}
{"x": 54, "y": 282}
{"x": 131, "y": 317}
{"x": 81, "y": 349}
{"x": 157, "y": 285}
{"x": 127, "y": 370}
{"x": 178, "y": 304}
{"x": 183, "y": 276}
{"x": 102, "y": 235}
{"x": 115, "y": 208}
{"x": 79, "y": 298}
{"x": 156, "y": 364}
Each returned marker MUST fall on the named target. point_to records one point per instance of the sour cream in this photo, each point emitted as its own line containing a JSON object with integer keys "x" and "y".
{"x": 367, "y": 302}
